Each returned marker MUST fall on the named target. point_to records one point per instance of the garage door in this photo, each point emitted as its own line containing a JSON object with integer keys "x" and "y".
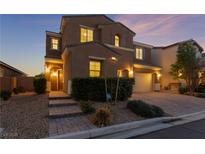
{"x": 143, "y": 82}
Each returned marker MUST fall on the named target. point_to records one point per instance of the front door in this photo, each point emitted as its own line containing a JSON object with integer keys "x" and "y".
{"x": 56, "y": 80}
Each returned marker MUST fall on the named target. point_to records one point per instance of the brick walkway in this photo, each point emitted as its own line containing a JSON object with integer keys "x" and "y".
{"x": 66, "y": 125}
{"x": 65, "y": 117}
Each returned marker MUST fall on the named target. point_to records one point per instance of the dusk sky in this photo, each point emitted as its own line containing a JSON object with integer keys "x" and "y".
{"x": 22, "y": 37}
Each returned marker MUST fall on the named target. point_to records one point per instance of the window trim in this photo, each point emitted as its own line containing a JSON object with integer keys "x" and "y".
{"x": 100, "y": 71}
{"x": 142, "y": 52}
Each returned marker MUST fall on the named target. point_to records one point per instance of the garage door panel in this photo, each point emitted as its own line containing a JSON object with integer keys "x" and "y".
{"x": 143, "y": 82}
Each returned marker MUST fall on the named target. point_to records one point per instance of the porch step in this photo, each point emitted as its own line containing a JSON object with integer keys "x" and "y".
{"x": 59, "y": 97}
{"x": 65, "y": 111}
{"x": 61, "y": 102}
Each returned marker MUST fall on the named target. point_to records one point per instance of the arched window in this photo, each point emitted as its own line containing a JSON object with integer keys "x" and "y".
{"x": 117, "y": 40}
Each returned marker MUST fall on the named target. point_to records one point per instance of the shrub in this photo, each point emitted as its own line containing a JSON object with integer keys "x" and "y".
{"x": 94, "y": 88}
{"x": 86, "y": 107}
{"x": 145, "y": 110}
{"x": 39, "y": 84}
{"x": 103, "y": 116}
{"x": 5, "y": 95}
{"x": 201, "y": 88}
{"x": 182, "y": 90}
{"x": 19, "y": 90}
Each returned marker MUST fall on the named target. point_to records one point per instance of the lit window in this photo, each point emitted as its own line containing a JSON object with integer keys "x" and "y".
{"x": 117, "y": 40}
{"x": 139, "y": 53}
{"x": 95, "y": 68}
{"x": 54, "y": 44}
{"x": 86, "y": 35}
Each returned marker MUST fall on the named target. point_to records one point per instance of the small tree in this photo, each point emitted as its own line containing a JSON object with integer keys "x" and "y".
{"x": 187, "y": 66}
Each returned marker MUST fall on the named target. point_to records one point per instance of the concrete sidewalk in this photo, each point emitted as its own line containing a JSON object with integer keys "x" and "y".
{"x": 192, "y": 130}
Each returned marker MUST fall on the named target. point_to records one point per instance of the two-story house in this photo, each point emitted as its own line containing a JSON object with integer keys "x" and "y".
{"x": 97, "y": 46}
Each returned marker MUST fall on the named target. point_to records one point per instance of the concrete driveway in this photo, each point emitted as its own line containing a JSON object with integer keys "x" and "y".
{"x": 173, "y": 104}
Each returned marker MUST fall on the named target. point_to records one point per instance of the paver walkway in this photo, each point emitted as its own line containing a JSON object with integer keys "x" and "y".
{"x": 65, "y": 117}
{"x": 173, "y": 104}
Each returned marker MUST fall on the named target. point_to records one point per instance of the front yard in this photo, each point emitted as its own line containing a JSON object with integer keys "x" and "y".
{"x": 25, "y": 116}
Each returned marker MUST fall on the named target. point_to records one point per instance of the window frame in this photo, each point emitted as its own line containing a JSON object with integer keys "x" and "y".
{"x": 95, "y": 70}
{"x": 89, "y": 34}
{"x": 139, "y": 55}
{"x": 117, "y": 37}
{"x": 53, "y": 44}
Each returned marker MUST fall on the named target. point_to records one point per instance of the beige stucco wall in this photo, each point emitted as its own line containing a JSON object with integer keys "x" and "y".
{"x": 165, "y": 58}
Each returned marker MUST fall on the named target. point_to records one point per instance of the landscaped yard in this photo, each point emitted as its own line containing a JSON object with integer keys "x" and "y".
{"x": 25, "y": 116}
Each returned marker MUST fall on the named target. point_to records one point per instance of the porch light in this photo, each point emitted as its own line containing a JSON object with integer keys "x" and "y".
{"x": 54, "y": 74}
{"x": 180, "y": 74}
{"x": 47, "y": 69}
{"x": 114, "y": 58}
{"x": 130, "y": 73}
{"x": 158, "y": 76}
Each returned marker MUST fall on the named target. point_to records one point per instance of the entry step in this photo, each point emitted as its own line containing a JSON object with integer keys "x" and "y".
{"x": 61, "y": 112}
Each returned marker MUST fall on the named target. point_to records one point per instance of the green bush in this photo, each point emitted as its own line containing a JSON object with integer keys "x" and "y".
{"x": 19, "y": 90}
{"x": 103, "y": 116}
{"x": 145, "y": 110}
{"x": 86, "y": 107}
{"x": 39, "y": 84}
{"x": 94, "y": 88}
{"x": 183, "y": 90}
{"x": 5, "y": 95}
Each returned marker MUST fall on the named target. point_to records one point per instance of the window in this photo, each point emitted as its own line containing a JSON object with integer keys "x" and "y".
{"x": 117, "y": 40}
{"x": 86, "y": 35}
{"x": 139, "y": 53}
{"x": 54, "y": 44}
{"x": 95, "y": 68}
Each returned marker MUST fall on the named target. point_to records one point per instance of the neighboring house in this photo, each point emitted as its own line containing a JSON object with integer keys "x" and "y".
{"x": 97, "y": 46}
{"x": 165, "y": 57}
{"x": 9, "y": 71}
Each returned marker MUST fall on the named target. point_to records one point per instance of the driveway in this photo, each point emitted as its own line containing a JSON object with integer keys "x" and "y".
{"x": 173, "y": 104}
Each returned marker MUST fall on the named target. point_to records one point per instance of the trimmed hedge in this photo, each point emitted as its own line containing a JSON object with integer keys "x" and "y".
{"x": 145, "y": 110}
{"x": 94, "y": 88}
{"x": 39, "y": 84}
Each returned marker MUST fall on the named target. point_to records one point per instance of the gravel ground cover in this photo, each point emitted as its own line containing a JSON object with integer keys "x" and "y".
{"x": 121, "y": 114}
{"x": 24, "y": 116}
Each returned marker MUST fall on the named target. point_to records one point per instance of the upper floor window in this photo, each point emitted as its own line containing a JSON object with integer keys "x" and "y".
{"x": 54, "y": 44}
{"x": 95, "y": 68}
{"x": 117, "y": 40}
{"x": 86, "y": 35}
{"x": 139, "y": 53}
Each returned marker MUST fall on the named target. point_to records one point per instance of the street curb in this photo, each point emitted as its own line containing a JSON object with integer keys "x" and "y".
{"x": 134, "y": 128}
{"x": 93, "y": 133}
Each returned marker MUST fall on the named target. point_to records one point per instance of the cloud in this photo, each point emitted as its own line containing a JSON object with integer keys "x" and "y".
{"x": 150, "y": 27}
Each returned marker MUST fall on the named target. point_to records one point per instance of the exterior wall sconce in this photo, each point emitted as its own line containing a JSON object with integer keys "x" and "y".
{"x": 114, "y": 58}
{"x": 131, "y": 73}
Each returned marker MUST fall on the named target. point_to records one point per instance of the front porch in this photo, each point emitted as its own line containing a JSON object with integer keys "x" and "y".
{"x": 54, "y": 75}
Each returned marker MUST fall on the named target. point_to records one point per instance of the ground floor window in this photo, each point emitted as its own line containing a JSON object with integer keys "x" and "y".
{"x": 95, "y": 68}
